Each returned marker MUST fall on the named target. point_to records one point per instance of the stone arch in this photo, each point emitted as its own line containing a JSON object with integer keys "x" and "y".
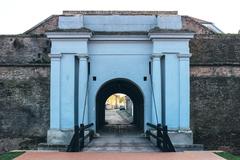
{"x": 125, "y": 86}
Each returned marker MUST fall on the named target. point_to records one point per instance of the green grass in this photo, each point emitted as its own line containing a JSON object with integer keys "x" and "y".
{"x": 10, "y": 155}
{"x": 228, "y": 156}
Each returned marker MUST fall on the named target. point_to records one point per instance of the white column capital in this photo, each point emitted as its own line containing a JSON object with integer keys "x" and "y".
{"x": 156, "y": 56}
{"x": 182, "y": 56}
{"x": 82, "y": 56}
{"x": 55, "y": 56}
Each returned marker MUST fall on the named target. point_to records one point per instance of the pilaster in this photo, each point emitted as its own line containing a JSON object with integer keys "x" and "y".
{"x": 55, "y": 91}
{"x": 184, "y": 91}
{"x": 156, "y": 89}
{"x": 83, "y": 88}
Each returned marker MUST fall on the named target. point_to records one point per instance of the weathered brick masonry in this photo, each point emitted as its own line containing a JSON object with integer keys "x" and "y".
{"x": 215, "y": 88}
{"x": 24, "y": 91}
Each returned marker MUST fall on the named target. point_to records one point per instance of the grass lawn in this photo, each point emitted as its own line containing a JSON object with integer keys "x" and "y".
{"x": 10, "y": 155}
{"x": 228, "y": 156}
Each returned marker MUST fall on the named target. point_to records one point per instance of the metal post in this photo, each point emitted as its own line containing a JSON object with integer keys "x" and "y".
{"x": 91, "y": 135}
{"x": 81, "y": 134}
{"x": 147, "y": 134}
{"x": 76, "y": 146}
{"x": 158, "y": 135}
{"x": 165, "y": 132}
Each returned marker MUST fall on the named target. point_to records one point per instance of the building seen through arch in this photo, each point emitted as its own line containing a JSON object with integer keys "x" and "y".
{"x": 118, "y": 109}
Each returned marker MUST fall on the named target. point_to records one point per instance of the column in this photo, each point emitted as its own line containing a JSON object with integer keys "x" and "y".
{"x": 55, "y": 91}
{"x": 184, "y": 91}
{"x": 83, "y": 89}
{"x": 156, "y": 89}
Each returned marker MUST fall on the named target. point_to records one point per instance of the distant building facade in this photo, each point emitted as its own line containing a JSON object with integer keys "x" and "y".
{"x": 116, "y": 101}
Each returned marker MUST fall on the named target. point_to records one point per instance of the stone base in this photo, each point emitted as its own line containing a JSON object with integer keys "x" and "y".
{"x": 59, "y": 137}
{"x": 192, "y": 147}
{"x": 58, "y": 140}
{"x": 182, "y": 140}
{"x": 181, "y": 137}
{"x": 52, "y": 147}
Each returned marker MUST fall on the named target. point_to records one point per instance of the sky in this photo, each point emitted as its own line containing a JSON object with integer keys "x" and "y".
{"x": 18, "y": 16}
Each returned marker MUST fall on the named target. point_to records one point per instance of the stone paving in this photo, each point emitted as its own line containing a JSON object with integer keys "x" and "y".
{"x": 119, "y": 135}
{"x": 120, "y": 138}
{"x": 122, "y": 144}
{"x": 113, "y": 117}
{"x": 200, "y": 155}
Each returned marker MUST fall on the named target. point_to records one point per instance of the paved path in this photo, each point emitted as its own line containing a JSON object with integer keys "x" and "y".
{"x": 112, "y": 117}
{"x": 121, "y": 144}
{"x": 119, "y": 156}
{"x": 120, "y": 138}
{"x": 119, "y": 135}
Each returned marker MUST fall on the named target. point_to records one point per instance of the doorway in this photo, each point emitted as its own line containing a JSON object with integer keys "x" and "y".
{"x": 117, "y": 87}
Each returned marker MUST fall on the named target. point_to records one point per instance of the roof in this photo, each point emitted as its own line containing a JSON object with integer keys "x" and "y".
{"x": 120, "y": 12}
{"x": 196, "y": 25}
{"x": 49, "y": 23}
{"x": 209, "y": 25}
{"x": 199, "y": 20}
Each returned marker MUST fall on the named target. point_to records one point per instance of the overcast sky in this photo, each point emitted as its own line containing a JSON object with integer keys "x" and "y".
{"x": 18, "y": 16}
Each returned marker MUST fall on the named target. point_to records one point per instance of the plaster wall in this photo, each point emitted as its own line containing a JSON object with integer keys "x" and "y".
{"x": 110, "y": 60}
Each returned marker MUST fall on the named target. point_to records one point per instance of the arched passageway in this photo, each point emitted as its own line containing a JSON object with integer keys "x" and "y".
{"x": 120, "y": 86}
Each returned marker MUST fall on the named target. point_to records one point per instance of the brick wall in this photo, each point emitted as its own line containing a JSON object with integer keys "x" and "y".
{"x": 24, "y": 50}
{"x": 215, "y": 90}
{"x": 24, "y": 91}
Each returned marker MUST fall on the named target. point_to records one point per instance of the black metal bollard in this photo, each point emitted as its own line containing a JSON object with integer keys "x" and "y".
{"x": 158, "y": 135}
{"x": 91, "y": 135}
{"x": 148, "y": 134}
{"x": 76, "y": 146}
{"x": 81, "y": 136}
{"x": 165, "y": 134}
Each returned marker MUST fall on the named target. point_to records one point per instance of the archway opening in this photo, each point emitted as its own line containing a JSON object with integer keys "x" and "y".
{"x": 118, "y": 109}
{"x": 127, "y": 88}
